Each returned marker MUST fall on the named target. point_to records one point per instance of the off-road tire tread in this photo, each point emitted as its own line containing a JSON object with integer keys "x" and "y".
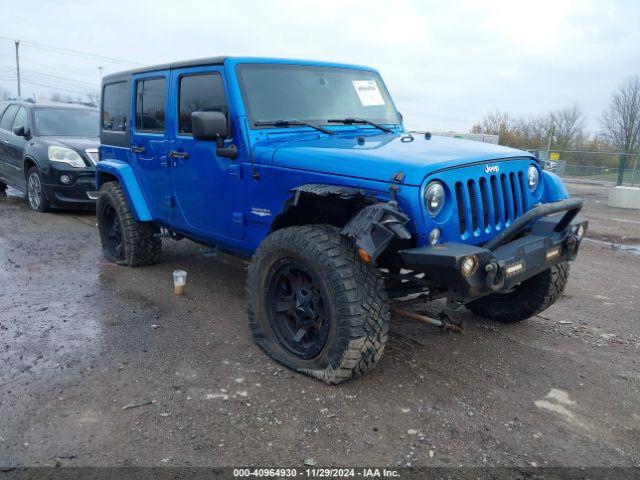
{"x": 360, "y": 298}
{"x": 534, "y": 295}
{"x": 143, "y": 244}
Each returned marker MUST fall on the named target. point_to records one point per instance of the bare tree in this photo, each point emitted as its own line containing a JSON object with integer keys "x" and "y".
{"x": 621, "y": 120}
{"x": 497, "y": 123}
{"x": 568, "y": 124}
{"x": 4, "y": 94}
{"x": 93, "y": 97}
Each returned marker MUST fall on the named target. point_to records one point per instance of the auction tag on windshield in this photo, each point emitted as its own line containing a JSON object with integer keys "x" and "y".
{"x": 368, "y": 92}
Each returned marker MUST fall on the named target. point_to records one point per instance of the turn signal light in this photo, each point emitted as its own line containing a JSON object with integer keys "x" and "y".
{"x": 364, "y": 256}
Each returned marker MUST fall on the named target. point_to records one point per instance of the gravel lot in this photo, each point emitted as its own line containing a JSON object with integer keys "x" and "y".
{"x": 103, "y": 365}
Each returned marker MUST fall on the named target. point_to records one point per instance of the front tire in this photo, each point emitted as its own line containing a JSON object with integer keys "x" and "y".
{"x": 314, "y": 307}
{"x": 36, "y": 198}
{"x": 527, "y": 299}
{"x": 125, "y": 240}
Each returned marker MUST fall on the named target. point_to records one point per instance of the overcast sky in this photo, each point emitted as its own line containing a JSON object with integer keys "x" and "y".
{"x": 445, "y": 63}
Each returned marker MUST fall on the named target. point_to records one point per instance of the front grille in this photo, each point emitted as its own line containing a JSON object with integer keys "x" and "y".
{"x": 490, "y": 203}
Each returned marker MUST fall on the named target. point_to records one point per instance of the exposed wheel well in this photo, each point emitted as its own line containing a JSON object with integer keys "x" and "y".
{"x": 309, "y": 209}
{"x": 104, "y": 177}
{"x": 29, "y": 163}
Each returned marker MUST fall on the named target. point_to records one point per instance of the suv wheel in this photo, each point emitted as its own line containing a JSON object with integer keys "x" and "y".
{"x": 35, "y": 193}
{"x": 314, "y": 307}
{"x": 125, "y": 240}
{"x": 527, "y": 299}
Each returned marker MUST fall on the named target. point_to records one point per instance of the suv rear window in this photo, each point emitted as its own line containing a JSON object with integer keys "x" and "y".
{"x": 115, "y": 105}
{"x": 150, "y": 104}
{"x": 200, "y": 92}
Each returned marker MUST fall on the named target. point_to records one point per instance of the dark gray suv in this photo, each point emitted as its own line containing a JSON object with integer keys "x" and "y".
{"x": 49, "y": 152}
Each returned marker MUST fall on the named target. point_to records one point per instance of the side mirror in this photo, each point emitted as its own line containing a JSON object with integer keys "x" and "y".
{"x": 20, "y": 131}
{"x": 209, "y": 125}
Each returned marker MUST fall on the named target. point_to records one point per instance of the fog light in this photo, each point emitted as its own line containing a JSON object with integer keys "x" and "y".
{"x": 580, "y": 231}
{"x": 552, "y": 253}
{"x": 514, "y": 269}
{"x": 434, "y": 236}
{"x": 469, "y": 265}
{"x": 66, "y": 179}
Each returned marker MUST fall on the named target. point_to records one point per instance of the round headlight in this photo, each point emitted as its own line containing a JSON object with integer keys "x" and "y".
{"x": 533, "y": 177}
{"x": 434, "y": 198}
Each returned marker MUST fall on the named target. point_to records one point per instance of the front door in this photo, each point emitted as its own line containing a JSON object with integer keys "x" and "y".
{"x": 150, "y": 141}
{"x": 16, "y": 145}
{"x": 207, "y": 188}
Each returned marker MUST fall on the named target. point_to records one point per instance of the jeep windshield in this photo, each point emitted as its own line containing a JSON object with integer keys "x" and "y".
{"x": 66, "y": 122}
{"x": 314, "y": 94}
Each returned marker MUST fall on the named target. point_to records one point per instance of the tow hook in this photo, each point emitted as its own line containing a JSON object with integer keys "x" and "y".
{"x": 495, "y": 278}
{"x": 445, "y": 319}
{"x": 572, "y": 246}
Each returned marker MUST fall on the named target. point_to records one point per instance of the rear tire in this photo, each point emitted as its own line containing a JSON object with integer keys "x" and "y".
{"x": 314, "y": 307}
{"x": 529, "y": 298}
{"x": 36, "y": 198}
{"x": 125, "y": 240}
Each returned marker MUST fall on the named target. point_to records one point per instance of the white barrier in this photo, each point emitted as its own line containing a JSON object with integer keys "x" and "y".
{"x": 624, "y": 197}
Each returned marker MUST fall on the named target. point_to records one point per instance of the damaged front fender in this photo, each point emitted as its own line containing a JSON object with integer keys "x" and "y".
{"x": 375, "y": 226}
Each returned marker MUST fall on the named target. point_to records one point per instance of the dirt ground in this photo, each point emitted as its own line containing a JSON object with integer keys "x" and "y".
{"x": 103, "y": 365}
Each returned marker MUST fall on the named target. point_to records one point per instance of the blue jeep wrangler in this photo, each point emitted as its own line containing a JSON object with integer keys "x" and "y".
{"x": 305, "y": 168}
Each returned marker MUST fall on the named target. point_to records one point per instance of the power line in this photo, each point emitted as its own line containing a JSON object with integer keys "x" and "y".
{"x": 69, "y": 51}
{"x": 56, "y": 77}
{"x": 55, "y": 88}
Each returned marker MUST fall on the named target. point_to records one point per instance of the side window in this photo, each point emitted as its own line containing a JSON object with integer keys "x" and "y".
{"x": 199, "y": 92}
{"x": 150, "y": 105}
{"x": 115, "y": 105}
{"x": 20, "y": 119}
{"x": 7, "y": 118}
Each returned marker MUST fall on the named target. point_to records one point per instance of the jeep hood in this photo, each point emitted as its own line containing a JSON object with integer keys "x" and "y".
{"x": 380, "y": 156}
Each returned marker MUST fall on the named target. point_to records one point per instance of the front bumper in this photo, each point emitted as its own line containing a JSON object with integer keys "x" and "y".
{"x": 79, "y": 193}
{"x": 504, "y": 261}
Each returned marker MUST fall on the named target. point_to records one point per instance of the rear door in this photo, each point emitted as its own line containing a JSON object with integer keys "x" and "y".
{"x": 150, "y": 141}
{"x": 207, "y": 187}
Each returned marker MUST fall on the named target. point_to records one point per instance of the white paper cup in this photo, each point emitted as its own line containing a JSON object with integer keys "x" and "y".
{"x": 179, "y": 281}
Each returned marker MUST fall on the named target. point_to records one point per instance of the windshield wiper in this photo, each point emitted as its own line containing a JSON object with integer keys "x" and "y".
{"x": 363, "y": 121}
{"x": 292, "y": 123}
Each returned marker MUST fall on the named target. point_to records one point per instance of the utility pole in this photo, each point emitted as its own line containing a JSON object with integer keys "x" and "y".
{"x": 17, "y": 42}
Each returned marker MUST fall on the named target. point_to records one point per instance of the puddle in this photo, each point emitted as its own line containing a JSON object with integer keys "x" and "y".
{"x": 616, "y": 247}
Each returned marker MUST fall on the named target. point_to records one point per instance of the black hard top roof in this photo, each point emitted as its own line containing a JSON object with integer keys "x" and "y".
{"x": 165, "y": 66}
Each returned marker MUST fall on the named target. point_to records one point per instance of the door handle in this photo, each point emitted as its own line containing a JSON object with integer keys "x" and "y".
{"x": 6, "y": 142}
{"x": 175, "y": 154}
{"x": 135, "y": 149}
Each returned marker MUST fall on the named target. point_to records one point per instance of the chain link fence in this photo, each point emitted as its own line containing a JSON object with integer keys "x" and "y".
{"x": 609, "y": 168}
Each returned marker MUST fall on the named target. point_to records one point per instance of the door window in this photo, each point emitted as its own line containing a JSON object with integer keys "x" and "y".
{"x": 199, "y": 92}
{"x": 115, "y": 104}
{"x": 20, "y": 119}
{"x": 7, "y": 118}
{"x": 150, "y": 105}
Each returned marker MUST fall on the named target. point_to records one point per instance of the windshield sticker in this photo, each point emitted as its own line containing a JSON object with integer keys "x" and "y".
{"x": 368, "y": 92}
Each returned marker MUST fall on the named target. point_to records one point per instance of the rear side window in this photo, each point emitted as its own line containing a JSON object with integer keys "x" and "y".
{"x": 150, "y": 105}
{"x": 115, "y": 105}
{"x": 20, "y": 119}
{"x": 201, "y": 92}
{"x": 7, "y": 118}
